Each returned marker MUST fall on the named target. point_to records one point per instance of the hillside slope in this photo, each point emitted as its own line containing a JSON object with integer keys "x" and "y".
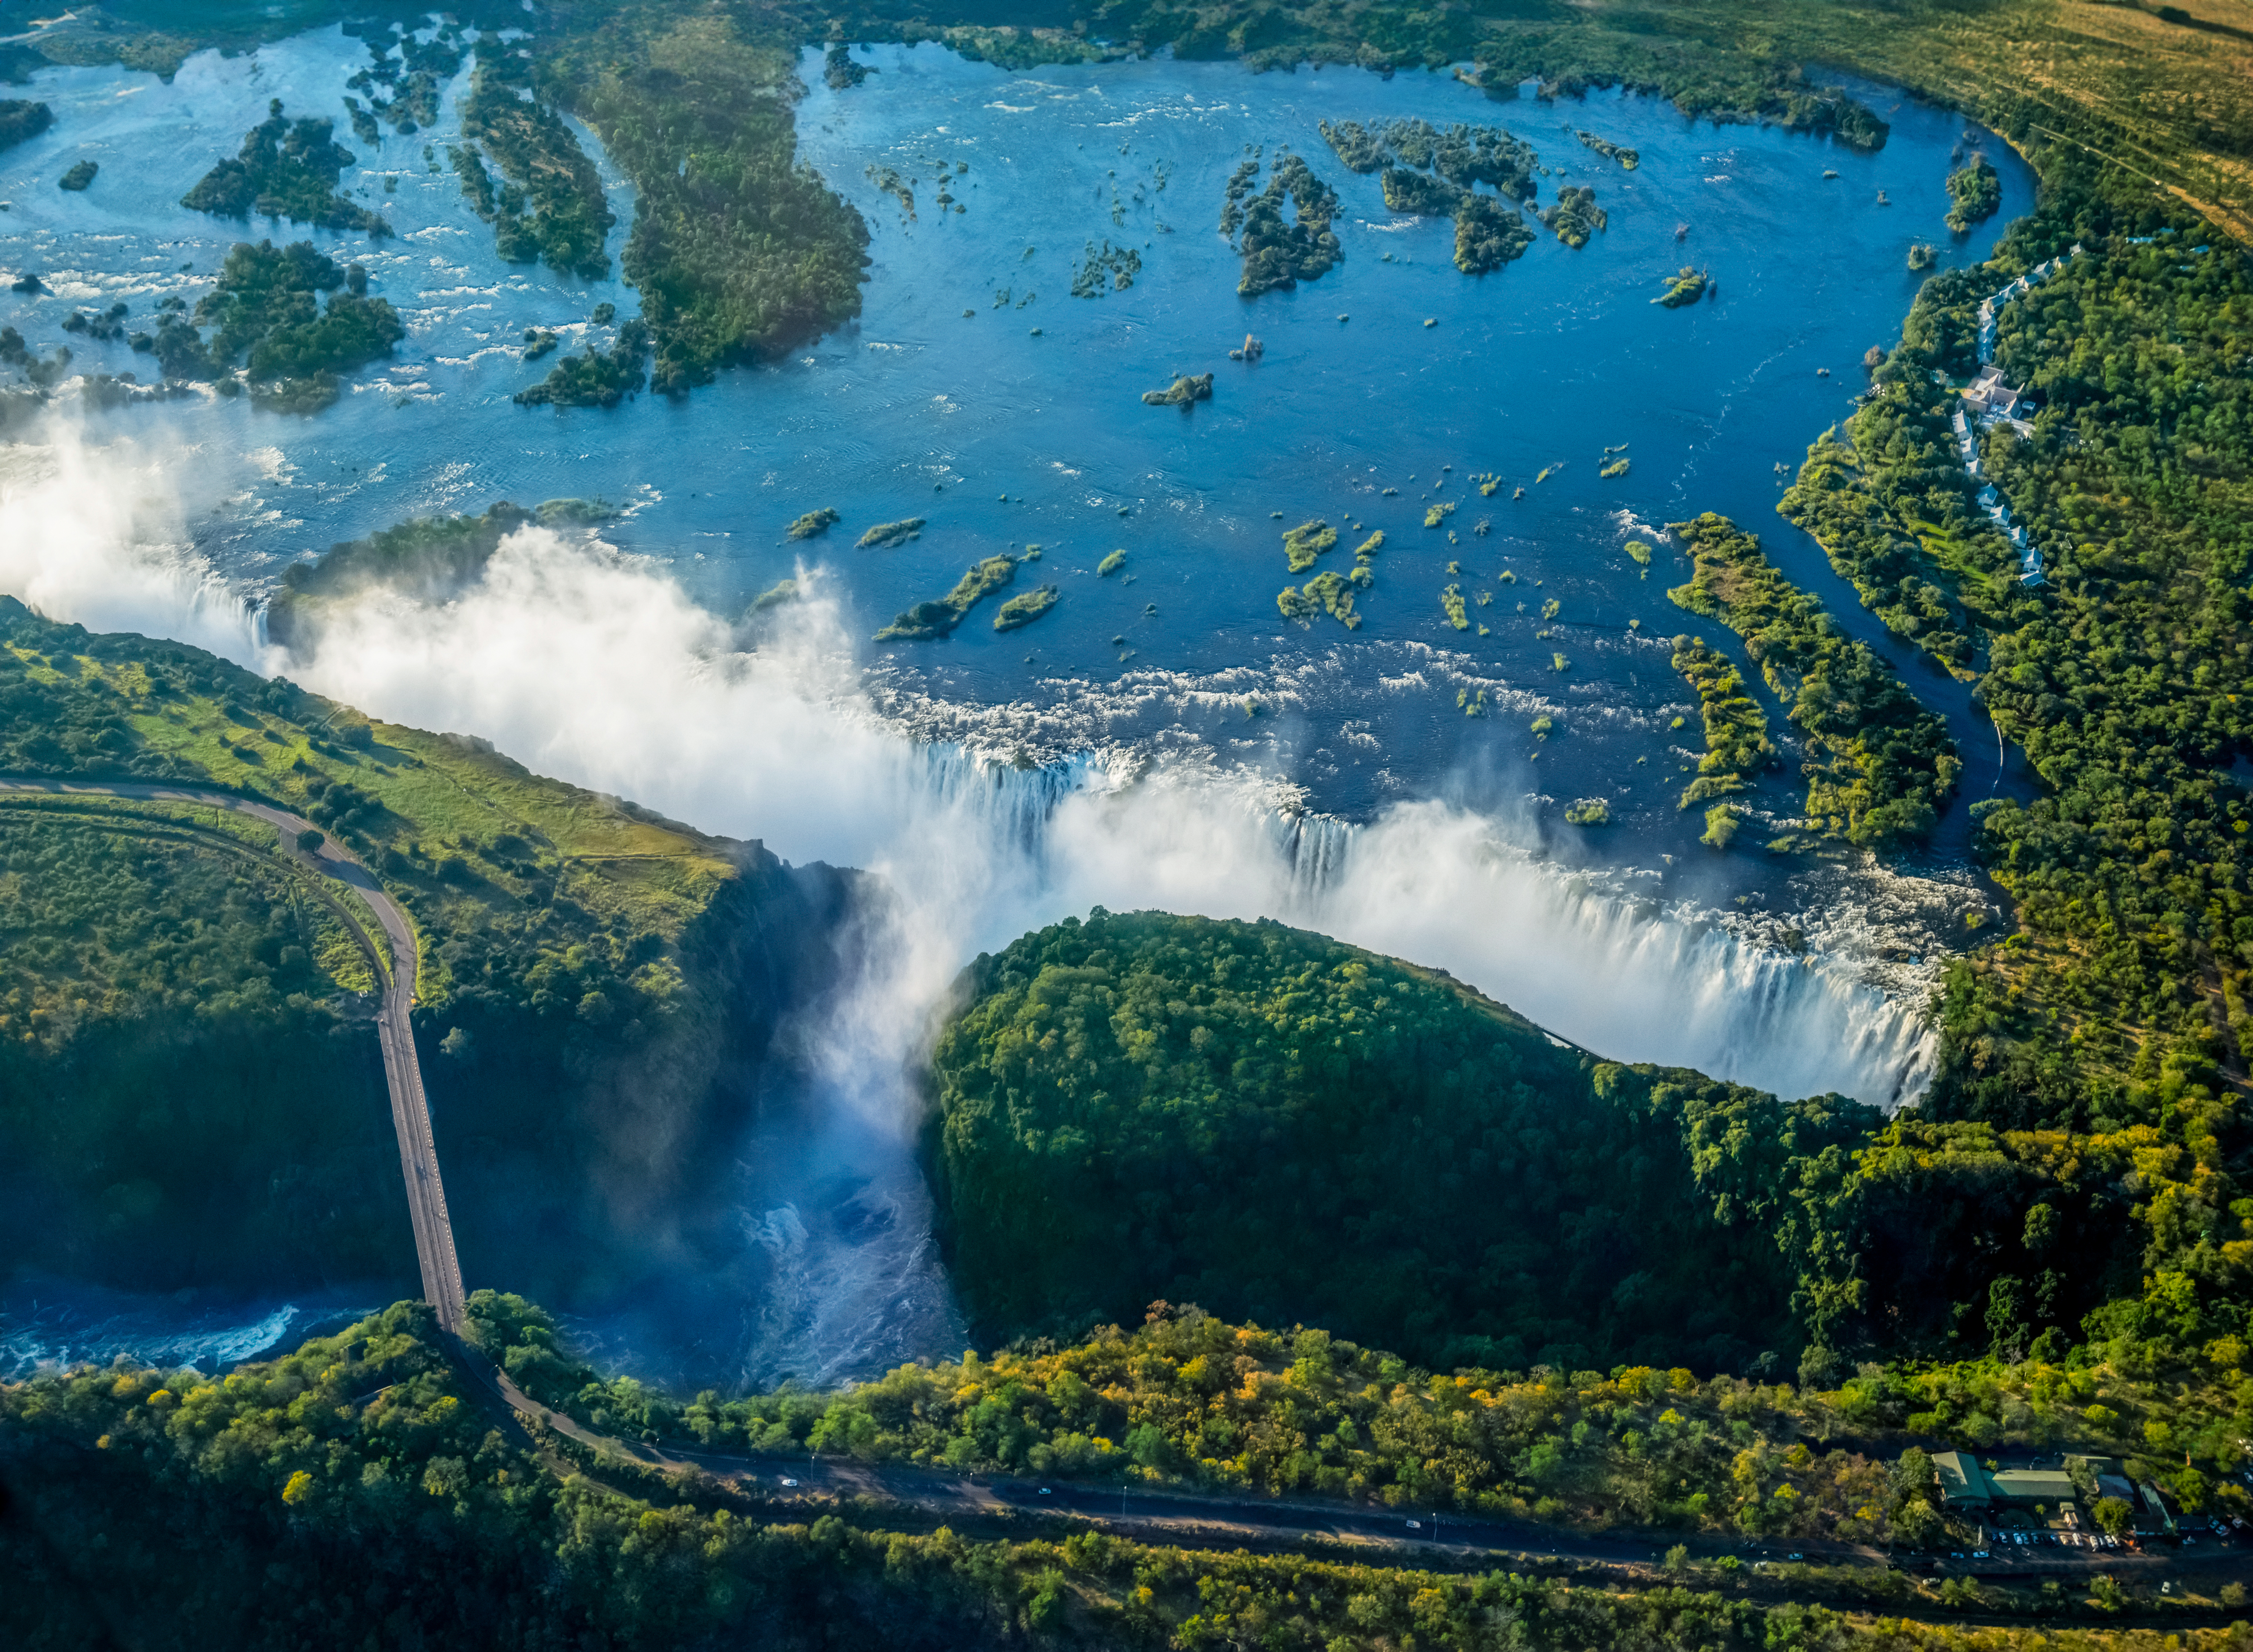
{"x": 599, "y": 985}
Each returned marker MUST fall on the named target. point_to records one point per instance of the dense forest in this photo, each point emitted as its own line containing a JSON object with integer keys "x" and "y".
{"x": 1281, "y": 1127}
{"x": 360, "y": 1492}
{"x": 189, "y": 1085}
{"x": 2126, "y": 989}
{"x": 594, "y": 994}
{"x": 1183, "y": 1400}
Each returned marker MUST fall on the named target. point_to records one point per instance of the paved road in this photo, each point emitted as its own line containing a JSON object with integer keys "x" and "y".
{"x": 1185, "y": 1519}
{"x": 411, "y": 1108}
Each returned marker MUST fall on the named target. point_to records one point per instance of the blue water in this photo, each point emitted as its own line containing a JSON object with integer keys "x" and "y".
{"x": 47, "y": 1324}
{"x": 1002, "y": 437}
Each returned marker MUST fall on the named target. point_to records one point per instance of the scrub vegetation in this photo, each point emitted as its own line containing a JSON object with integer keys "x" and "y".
{"x": 1302, "y": 544}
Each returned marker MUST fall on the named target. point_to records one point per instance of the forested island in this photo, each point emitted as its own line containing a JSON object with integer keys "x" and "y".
{"x": 1737, "y": 746}
{"x": 1488, "y": 235}
{"x": 927, "y": 622}
{"x": 266, "y": 311}
{"x": 1279, "y": 253}
{"x": 1974, "y": 192}
{"x": 598, "y": 379}
{"x": 552, "y": 206}
{"x": 22, "y": 119}
{"x": 287, "y": 169}
{"x": 1887, "y": 765}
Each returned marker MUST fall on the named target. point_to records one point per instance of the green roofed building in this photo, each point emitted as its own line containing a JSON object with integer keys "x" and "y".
{"x": 1963, "y": 1482}
{"x": 1981, "y": 1493}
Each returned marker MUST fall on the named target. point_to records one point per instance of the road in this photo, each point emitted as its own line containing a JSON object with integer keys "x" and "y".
{"x": 1184, "y": 1519}
{"x": 411, "y": 1107}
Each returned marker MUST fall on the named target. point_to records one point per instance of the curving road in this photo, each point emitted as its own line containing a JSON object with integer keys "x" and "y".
{"x": 411, "y": 1108}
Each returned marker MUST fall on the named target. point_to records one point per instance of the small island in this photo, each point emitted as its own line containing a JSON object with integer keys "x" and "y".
{"x": 539, "y": 341}
{"x": 1327, "y": 593}
{"x": 596, "y": 379}
{"x": 1024, "y": 609}
{"x": 1280, "y": 254}
{"x": 1588, "y": 811}
{"x": 1488, "y": 235}
{"x": 1685, "y": 286}
{"x": 79, "y": 176}
{"x": 1628, "y": 158}
{"x": 813, "y": 523}
{"x": 1575, "y": 217}
{"x": 22, "y": 120}
{"x": 926, "y": 622}
{"x": 1975, "y": 193}
{"x": 1184, "y": 391}
{"x": 1302, "y": 544}
{"x": 1922, "y": 256}
{"x": 886, "y": 534}
{"x": 1103, "y": 269}
{"x": 839, "y": 70}
{"x": 286, "y": 170}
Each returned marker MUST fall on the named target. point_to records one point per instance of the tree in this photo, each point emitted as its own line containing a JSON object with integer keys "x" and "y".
{"x": 2114, "y": 1516}
{"x": 310, "y": 839}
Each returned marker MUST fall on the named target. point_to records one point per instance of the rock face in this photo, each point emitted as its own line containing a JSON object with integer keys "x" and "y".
{"x": 1183, "y": 391}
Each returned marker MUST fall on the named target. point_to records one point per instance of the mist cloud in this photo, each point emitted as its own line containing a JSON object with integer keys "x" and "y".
{"x": 598, "y": 668}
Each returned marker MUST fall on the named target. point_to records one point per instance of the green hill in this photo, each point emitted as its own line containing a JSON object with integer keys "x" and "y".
{"x": 1280, "y": 1127}
{"x": 591, "y": 986}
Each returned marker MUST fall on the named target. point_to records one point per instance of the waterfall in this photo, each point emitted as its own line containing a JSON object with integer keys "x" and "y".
{"x": 1609, "y": 961}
